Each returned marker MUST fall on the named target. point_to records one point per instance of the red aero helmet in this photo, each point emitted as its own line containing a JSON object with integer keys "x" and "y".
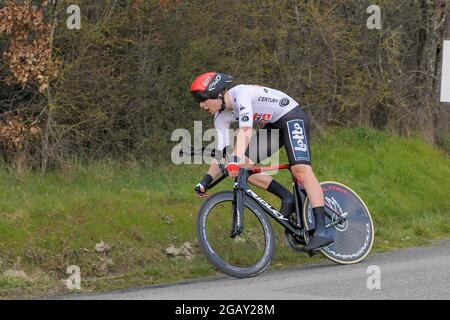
{"x": 209, "y": 85}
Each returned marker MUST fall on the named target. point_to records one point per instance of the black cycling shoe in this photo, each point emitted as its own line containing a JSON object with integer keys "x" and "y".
{"x": 319, "y": 240}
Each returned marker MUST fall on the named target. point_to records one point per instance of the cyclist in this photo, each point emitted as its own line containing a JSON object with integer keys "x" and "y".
{"x": 249, "y": 104}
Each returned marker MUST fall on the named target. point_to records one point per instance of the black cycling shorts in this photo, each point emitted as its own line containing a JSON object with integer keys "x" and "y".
{"x": 293, "y": 133}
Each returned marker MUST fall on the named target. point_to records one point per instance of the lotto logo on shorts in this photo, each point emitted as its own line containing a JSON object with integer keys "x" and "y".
{"x": 298, "y": 140}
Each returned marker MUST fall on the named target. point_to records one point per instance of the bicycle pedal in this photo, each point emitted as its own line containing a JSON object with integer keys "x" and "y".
{"x": 313, "y": 253}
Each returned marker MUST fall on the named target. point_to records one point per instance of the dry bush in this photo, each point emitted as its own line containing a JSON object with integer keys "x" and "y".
{"x": 28, "y": 57}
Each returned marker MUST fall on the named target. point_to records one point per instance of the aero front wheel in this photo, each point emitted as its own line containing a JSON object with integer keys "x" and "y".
{"x": 245, "y": 255}
{"x": 353, "y": 237}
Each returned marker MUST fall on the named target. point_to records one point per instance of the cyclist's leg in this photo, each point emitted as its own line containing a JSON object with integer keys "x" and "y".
{"x": 296, "y": 136}
{"x": 261, "y": 180}
{"x": 252, "y": 156}
{"x": 304, "y": 174}
{"x": 263, "y": 145}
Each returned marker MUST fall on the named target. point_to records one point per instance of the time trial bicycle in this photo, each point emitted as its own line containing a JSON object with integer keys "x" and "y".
{"x": 235, "y": 235}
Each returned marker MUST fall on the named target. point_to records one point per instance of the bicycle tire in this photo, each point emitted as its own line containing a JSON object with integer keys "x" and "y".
{"x": 211, "y": 254}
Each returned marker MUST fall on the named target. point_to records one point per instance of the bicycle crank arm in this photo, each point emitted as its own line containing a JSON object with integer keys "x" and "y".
{"x": 342, "y": 219}
{"x": 343, "y": 215}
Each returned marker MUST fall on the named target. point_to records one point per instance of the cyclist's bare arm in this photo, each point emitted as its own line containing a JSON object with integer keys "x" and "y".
{"x": 260, "y": 180}
{"x": 242, "y": 141}
{"x": 214, "y": 170}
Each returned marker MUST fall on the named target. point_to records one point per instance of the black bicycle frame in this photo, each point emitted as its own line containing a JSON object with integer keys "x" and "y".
{"x": 241, "y": 187}
{"x": 299, "y": 194}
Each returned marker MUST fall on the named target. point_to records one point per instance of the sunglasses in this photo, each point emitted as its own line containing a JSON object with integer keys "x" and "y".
{"x": 199, "y": 97}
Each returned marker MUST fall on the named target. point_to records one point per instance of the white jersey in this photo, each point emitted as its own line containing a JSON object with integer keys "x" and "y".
{"x": 251, "y": 104}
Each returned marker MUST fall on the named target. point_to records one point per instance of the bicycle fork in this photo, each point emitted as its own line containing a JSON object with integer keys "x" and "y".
{"x": 238, "y": 212}
{"x": 238, "y": 204}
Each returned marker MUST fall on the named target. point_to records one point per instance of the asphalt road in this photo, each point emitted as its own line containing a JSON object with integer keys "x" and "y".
{"x": 414, "y": 273}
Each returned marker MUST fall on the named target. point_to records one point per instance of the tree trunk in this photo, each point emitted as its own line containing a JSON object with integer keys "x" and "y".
{"x": 46, "y": 148}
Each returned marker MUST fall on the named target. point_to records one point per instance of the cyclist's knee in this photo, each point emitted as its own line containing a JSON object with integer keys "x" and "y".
{"x": 301, "y": 172}
{"x": 215, "y": 162}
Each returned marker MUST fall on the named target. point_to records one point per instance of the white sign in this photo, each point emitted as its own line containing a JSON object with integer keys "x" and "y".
{"x": 445, "y": 84}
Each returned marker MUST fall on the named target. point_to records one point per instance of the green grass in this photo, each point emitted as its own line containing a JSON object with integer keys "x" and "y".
{"x": 48, "y": 223}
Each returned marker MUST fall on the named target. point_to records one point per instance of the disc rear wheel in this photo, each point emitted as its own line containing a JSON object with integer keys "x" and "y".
{"x": 354, "y": 235}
